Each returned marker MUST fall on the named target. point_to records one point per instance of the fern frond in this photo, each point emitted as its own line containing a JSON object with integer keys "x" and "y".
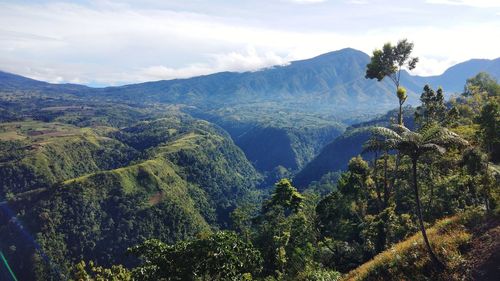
{"x": 432, "y": 147}
{"x": 385, "y": 132}
{"x": 400, "y": 129}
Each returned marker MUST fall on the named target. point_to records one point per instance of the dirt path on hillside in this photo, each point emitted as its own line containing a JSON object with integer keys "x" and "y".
{"x": 483, "y": 259}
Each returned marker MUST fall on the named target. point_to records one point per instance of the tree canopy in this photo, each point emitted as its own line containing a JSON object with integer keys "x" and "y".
{"x": 389, "y": 62}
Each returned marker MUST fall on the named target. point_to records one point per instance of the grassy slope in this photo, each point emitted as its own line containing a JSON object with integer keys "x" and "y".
{"x": 52, "y": 152}
{"x": 408, "y": 260}
{"x": 483, "y": 259}
{"x": 151, "y": 186}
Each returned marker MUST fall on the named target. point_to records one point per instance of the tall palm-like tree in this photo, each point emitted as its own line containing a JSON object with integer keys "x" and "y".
{"x": 377, "y": 145}
{"x": 430, "y": 138}
{"x": 389, "y": 62}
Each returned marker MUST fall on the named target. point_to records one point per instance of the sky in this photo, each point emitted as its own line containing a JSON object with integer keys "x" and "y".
{"x": 109, "y": 42}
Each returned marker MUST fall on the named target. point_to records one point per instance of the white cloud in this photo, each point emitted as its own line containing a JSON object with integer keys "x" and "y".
{"x": 471, "y": 3}
{"x": 432, "y": 66}
{"x": 307, "y": 1}
{"x": 249, "y": 60}
{"x": 122, "y": 45}
{"x": 118, "y": 44}
{"x": 239, "y": 61}
{"x": 357, "y": 2}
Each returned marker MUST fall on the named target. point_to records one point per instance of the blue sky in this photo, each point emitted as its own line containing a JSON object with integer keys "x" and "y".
{"x": 117, "y": 42}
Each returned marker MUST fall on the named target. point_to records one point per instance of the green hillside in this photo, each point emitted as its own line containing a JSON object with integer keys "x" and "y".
{"x": 89, "y": 193}
{"x": 38, "y": 154}
{"x": 99, "y": 215}
{"x": 454, "y": 237}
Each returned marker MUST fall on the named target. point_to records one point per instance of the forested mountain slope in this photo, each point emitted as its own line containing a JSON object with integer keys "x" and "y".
{"x": 333, "y": 82}
{"x": 450, "y": 79}
{"x": 273, "y": 136}
{"x": 12, "y": 82}
{"x": 335, "y": 155}
{"x": 93, "y": 192}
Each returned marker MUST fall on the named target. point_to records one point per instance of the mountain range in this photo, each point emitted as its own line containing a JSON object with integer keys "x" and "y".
{"x": 333, "y": 82}
{"x": 279, "y": 116}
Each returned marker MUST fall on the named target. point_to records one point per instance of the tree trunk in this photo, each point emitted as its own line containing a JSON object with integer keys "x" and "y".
{"x": 486, "y": 186}
{"x": 381, "y": 237}
{"x": 377, "y": 186}
{"x": 386, "y": 183}
{"x": 400, "y": 114}
{"x": 431, "y": 196}
{"x": 434, "y": 259}
{"x": 473, "y": 191}
{"x": 391, "y": 186}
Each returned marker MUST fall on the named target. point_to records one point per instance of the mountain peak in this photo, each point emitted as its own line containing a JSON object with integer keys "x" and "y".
{"x": 335, "y": 56}
{"x": 341, "y": 53}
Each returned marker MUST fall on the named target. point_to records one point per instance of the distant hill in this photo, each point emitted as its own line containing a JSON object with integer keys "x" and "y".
{"x": 333, "y": 82}
{"x": 13, "y": 82}
{"x": 453, "y": 79}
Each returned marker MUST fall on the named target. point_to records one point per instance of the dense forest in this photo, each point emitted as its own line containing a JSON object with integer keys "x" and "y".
{"x": 444, "y": 168}
{"x": 162, "y": 187}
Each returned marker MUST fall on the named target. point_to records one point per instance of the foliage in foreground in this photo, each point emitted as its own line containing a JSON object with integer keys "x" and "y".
{"x": 408, "y": 260}
{"x": 220, "y": 256}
